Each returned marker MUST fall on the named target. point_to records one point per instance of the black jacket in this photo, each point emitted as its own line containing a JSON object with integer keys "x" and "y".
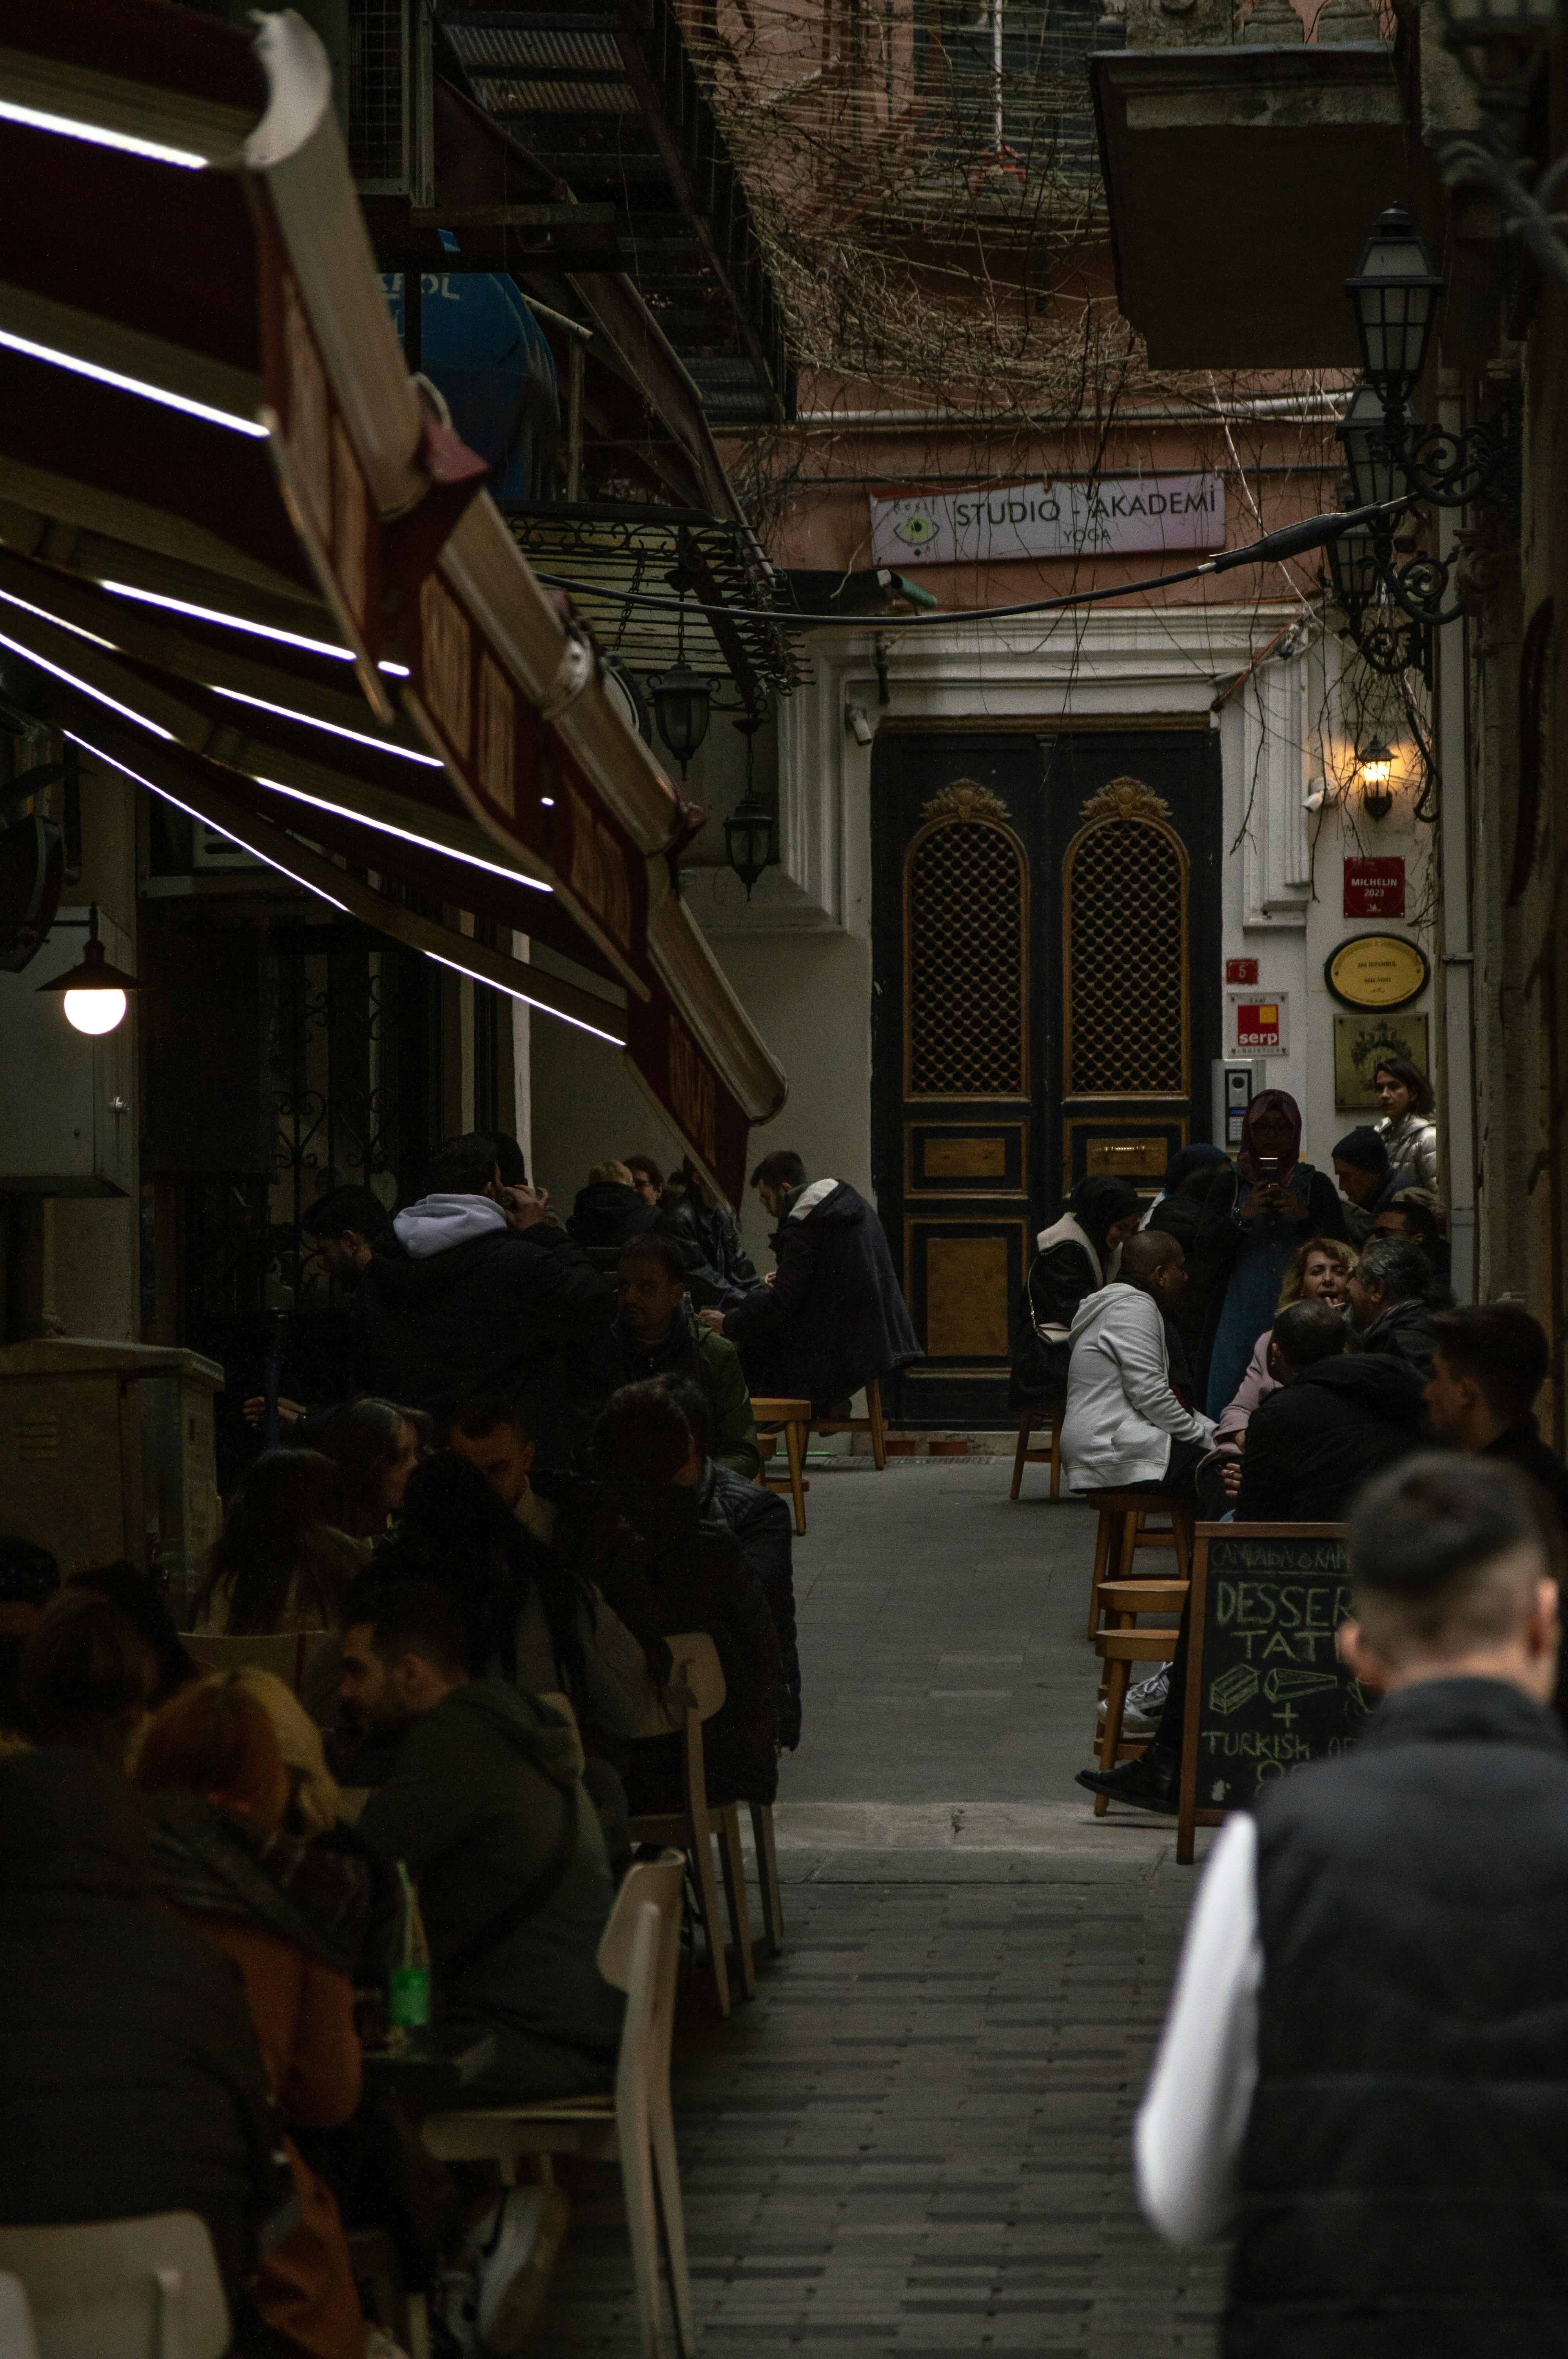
{"x": 1359, "y": 1218}
{"x": 834, "y": 1316}
{"x": 511, "y": 1311}
{"x": 1403, "y": 2168}
{"x": 1522, "y": 1446}
{"x": 1313, "y": 1442}
{"x": 1403, "y": 1332}
{"x": 761, "y": 1522}
{"x": 716, "y": 1265}
{"x": 607, "y": 1212}
{"x": 1216, "y": 1240}
{"x": 130, "y": 2078}
{"x": 701, "y": 1581}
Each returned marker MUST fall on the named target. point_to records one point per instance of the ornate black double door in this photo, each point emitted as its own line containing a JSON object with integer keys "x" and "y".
{"x": 1046, "y": 1004}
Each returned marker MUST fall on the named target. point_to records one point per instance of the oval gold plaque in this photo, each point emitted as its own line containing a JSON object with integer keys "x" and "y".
{"x": 1377, "y": 970}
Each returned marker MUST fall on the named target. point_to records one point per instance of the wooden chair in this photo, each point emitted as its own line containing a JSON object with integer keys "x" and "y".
{"x": 288, "y": 1657}
{"x": 871, "y": 1423}
{"x": 692, "y": 1828}
{"x": 120, "y": 2289}
{"x": 1051, "y": 1456}
{"x": 794, "y": 1416}
{"x": 767, "y": 1852}
{"x": 1121, "y": 1533}
{"x": 639, "y": 1954}
{"x": 1117, "y": 1649}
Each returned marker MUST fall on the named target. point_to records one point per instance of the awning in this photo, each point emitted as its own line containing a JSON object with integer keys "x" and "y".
{"x": 222, "y": 501}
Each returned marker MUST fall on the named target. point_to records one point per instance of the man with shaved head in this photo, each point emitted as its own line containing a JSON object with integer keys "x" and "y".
{"x": 1126, "y": 1429}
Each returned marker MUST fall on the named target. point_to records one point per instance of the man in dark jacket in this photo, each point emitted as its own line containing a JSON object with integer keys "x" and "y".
{"x": 484, "y": 1808}
{"x": 1488, "y": 1363}
{"x": 130, "y": 2078}
{"x": 831, "y": 1317}
{"x": 1336, "y": 1418}
{"x": 761, "y": 1520}
{"x": 487, "y": 1296}
{"x": 610, "y": 1209}
{"x": 1364, "y": 2072}
{"x": 700, "y": 1580}
{"x": 1388, "y": 1293}
{"x": 659, "y": 1337}
{"x": 1367, "y": 1180}
{"x": 718, "y": 1270}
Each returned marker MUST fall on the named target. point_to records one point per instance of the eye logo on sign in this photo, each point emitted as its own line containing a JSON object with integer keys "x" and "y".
{"x": 915, "y": 530}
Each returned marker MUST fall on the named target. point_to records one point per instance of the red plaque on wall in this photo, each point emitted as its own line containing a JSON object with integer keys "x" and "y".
{"x": 1242, "y": 969}
{"x": 1374, "y": 888}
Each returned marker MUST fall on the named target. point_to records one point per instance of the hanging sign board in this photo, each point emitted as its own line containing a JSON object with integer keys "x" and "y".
{"x": 1257, "y": 1023}
{"x": 1266, "y": 1688}
{"x": 1064, "y": 516}
{"x": 1378, "y": 970}
{"x": 1374, "y": 888}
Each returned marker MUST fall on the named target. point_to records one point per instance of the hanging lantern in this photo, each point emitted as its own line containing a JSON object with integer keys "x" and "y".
{"x": 95, "y": 992}
{"x": 1370, "y": 450}
{"x": 751, "y": 840}
{"x": 681, "y": 704}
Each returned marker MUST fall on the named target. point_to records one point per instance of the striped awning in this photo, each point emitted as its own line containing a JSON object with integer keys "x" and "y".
{"x": 249, "y": 566}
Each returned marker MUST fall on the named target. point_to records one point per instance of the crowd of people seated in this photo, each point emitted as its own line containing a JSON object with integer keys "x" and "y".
{"x": 544, "y": 1465}
{"x": 1328, "y": 1349}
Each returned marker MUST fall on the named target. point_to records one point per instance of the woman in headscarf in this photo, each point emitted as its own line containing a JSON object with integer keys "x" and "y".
{"x": 1079, "y": 1254}
{"x": 1253, "y": 1220}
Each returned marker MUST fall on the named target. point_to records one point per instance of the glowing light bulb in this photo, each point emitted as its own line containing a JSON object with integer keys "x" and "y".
{"x": 94, "y": 1011}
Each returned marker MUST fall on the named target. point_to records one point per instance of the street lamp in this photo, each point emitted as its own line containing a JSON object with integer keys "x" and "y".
{"x": 1371, "y": 452}
{"x": 681, "y": 703}
{"x": 1395, "y": 294}
{"x": 1364, "y": 587}
{"x": 1376, "y": 768}
{"x": 95, "y": 992}
{"x": 750, "y": 832}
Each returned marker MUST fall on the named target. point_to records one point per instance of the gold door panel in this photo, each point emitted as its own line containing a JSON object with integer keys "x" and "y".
{"x": 961, "y": 1278}
{"x": 952, "y": 1159}
{"x": 1136, "y": 1149}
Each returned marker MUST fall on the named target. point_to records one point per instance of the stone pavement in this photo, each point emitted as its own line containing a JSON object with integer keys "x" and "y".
{"x": 916, "y": 2139}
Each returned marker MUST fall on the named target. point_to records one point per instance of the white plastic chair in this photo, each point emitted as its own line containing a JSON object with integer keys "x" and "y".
{"x": 120, "y": 2288}
{"x": 15, "y": 2321}
{"x": 639, "y": 1954}
{"x": 693, "y": 1827}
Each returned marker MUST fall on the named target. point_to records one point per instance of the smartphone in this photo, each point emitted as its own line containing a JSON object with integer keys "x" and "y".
{"x": 1268, "y": 1171}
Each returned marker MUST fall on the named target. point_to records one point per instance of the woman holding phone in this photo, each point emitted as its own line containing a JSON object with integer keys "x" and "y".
{"x": 1253, "y": 1220}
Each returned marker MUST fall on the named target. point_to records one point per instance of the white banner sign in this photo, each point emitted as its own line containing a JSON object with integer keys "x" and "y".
{"x": 1071, "y": 515}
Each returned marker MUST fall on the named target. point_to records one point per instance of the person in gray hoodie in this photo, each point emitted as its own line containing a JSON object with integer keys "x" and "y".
{"x": 485, "y": 1807}
{"x": 487, "y": 1296}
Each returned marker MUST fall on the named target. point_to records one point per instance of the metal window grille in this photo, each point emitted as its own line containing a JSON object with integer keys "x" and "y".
{"x": 1127, "y": 961}
{"x": 965, "y": 931}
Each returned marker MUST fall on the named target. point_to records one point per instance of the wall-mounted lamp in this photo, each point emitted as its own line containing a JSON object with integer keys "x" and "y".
{"x": 1375, "y": 768}
{"x": 752, "y": 831}
{"x": 858, "y": 724}
{"x": 95, "y": 992}
{"x": 682, "y": 701}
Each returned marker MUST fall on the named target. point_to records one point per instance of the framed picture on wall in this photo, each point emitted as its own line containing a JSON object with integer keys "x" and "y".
{"x": 1360, "y": 1042}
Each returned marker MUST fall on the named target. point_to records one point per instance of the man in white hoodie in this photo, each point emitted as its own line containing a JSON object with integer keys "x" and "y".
{"x": 1125, "y": 1428}
{"x": 1125, "y": 1425}
{"x": 487, "y": 1296}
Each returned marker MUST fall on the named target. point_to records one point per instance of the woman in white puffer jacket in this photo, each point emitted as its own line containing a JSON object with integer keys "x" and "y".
{"x": 1407, "y": 1129}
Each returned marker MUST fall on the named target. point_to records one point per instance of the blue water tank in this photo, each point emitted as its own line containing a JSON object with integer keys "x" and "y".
{"x": 481, "y": 344}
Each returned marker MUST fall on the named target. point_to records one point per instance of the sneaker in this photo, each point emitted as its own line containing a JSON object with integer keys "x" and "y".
{"x": 515, "y": 2245}
{"x": 1143, "y": 1705}
{"x": 454, "y": 2314}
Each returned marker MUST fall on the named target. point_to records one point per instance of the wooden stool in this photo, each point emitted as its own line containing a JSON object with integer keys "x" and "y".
{"x": 871, "y": 1423}
{"x": 1121, "y": 1533}
{"x": 1051, "y": 1456}
{"x": 794, "y": 1416}
{"x": 1117, "y": 1649}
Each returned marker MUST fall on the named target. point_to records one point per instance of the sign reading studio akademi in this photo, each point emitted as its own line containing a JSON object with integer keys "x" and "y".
{"x": 1063, "y": 516}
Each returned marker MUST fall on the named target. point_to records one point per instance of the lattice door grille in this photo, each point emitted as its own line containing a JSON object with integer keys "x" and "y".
{"x": 1127, "y": 966}
{"x": 967, "y": 963}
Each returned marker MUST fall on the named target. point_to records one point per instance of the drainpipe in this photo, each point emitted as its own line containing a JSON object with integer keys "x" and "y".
{"x": 1456, "y": 948}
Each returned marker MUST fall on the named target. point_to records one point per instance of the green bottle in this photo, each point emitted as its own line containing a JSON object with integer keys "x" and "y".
{"x": 408, "y": 1983}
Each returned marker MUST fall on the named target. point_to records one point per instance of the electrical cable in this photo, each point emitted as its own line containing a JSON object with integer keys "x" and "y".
{"x": 1290, "y": 540}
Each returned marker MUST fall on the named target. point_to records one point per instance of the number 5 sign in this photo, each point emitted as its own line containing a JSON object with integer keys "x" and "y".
{"x": 1257, "y": 1023}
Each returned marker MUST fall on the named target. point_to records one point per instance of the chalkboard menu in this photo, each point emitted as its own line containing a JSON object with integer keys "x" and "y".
{"x": 1266, "y": 1690}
